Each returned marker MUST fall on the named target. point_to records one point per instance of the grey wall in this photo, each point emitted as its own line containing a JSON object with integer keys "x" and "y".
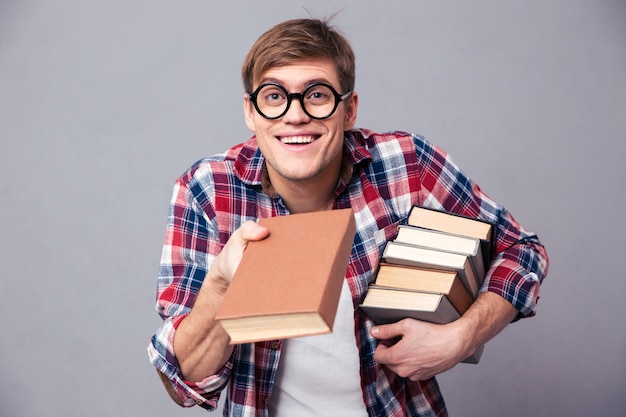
{"x": 103, "y": 104}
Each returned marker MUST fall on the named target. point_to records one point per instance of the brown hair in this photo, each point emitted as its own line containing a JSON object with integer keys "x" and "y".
{"x": 297, "y": 40}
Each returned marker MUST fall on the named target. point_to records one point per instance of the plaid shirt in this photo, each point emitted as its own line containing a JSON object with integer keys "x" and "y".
{"x": 384, "y": 175}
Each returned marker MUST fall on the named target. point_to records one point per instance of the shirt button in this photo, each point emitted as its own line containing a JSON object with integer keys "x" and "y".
{"x": 266, "y": 400}
{"x": 275, "y": 344}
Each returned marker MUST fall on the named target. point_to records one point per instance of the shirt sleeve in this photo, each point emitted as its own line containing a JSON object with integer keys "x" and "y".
{"x": 519, "y": 261}
{"x": 188, "y": 251}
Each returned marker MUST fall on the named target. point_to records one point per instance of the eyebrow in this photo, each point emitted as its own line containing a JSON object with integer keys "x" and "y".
{"x": 305, "y": 84}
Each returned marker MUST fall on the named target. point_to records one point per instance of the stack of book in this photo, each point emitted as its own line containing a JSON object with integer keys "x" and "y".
{"x": 432, "y": 270}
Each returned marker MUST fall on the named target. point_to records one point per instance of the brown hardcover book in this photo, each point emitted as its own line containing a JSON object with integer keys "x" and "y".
{"x": 428, "y": 280}
{"x": 455, "y": 224}
{"x": 449, "y": 222}
{"x": 436, "y": 239}
{"x": 389, "y": 305}
{"x": 410, "y": 255}
{"x": 288, "y": 284}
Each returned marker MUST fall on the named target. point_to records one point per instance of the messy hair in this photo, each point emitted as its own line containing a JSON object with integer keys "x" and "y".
{"x": 298, "y": 40}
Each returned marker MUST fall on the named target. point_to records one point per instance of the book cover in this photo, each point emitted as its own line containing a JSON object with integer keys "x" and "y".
{"x": 410, "y": 255}
{"x": 389, "y": 305}
{"x": 288, "y": 284}
{"x": 424, "y": 279}
{"x": 455, "y": 223}
{"x": 436, "y": 239}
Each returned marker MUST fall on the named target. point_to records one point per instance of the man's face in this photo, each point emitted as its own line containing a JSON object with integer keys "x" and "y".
{"x": 295, "y": 146}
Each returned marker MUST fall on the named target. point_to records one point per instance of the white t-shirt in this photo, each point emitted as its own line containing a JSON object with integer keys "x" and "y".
{"x": 319, "y": 375}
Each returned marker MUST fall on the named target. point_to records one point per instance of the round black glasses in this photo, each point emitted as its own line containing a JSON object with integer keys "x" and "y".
{"x": 318, "y": 101}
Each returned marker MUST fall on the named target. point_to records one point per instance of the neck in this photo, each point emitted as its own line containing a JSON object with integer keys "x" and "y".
{"x": 303, "y": 196}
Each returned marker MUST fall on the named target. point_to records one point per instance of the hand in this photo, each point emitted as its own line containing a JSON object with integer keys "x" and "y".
{"x": 201, "y": 345}
{"x": 418, "y": 350}
{"x": 228, "y": 260}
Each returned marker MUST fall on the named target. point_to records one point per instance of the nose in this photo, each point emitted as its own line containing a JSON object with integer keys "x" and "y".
{"x": 295, "y": 114}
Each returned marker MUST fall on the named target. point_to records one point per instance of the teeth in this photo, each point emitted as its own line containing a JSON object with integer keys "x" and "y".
{"x": 296, "y": 139}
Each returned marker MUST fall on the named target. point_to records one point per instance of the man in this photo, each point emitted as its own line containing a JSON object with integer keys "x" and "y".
{"x": 306, "y": 156}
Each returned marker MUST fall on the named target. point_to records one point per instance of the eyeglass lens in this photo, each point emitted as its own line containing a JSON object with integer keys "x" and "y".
{"x": 319, "y": 100}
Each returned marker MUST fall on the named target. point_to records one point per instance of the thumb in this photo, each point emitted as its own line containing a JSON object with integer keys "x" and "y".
{"x": 228, "y": 260}
{"x": 253, "y": 231}
{"x": 386, "y": 331}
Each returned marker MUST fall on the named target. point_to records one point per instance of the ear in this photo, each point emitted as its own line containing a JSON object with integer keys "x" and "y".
{"x": 248, "y": 112}
{"x": 352, "y": 106}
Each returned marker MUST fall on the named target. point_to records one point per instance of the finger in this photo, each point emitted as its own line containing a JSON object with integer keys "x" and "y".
{"x": 389, "y": 342}
{"x": 228, "y": 260}
{"x": 251, "y": 231}
{"x": 388, "y": 355}
{"x": 387, "y": 331}
{"x": 382, "y": 355}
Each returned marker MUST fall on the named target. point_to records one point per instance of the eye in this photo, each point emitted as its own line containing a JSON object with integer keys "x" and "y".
{"x": 319, "y": 94}
{"x": 272, "y": 95}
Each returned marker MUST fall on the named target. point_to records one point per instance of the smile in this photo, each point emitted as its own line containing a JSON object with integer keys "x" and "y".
{"x": 296, "y": 139}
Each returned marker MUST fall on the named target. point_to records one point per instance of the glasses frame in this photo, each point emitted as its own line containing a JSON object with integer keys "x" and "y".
{"x": 300, "y": 96}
